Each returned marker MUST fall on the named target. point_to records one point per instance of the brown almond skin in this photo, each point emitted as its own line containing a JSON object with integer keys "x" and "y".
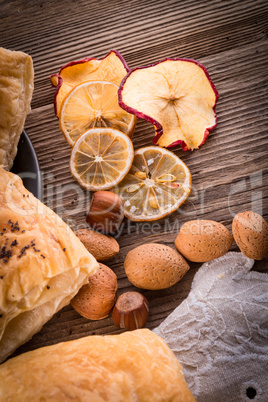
{"x": 154, "y": 266}
{"x": 101, "y": 246}
{"x": 250, "y": 232}
{"x": 96, "y": 299}
{"x": 203, "y": 240}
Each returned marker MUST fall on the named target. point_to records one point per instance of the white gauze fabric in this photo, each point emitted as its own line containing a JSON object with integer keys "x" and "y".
{"x": 220, "y": 332}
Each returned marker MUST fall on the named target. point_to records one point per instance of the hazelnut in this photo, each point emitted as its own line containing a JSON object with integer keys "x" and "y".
{"x": 106, "y": 211}
{"x": 96, "y": 299}
{"x": 130, "y": 311}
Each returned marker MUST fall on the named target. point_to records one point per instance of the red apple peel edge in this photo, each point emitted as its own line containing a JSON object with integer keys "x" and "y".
{"x": 158, "y": 126}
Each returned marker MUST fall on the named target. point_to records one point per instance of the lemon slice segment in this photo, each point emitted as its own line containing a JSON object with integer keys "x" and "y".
{"x": 93, "y": 104}
{"x": 100, "y": 158}
{"x": 156, "y": 185}
{"x": 111, "y": 68}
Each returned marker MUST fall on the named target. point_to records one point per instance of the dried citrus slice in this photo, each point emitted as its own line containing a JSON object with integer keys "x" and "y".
{"x": 100, "y": 158}
{"x": 156, "y": 185}
{"x": 177, "y": 96}
{"x": 111, "y": 68}
{"x": 93, "y": 104}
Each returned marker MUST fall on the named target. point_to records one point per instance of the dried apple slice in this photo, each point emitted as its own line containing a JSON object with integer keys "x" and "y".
{"x": 177, "y": 96}
{"x": 111, "y": 68}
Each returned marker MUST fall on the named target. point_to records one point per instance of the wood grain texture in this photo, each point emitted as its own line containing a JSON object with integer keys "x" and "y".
{"x": 229, "y": 172}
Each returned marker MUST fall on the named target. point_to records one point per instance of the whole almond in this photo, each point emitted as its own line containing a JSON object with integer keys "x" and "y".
{"x": 154, "y": 266}
{"x": 101, "y": 246}
{"x": 203, "y": 240}
{"x": 250, "y": 232}
{"x": 96, "y": 299}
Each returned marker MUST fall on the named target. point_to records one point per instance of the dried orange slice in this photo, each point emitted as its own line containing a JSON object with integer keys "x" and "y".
{"x": 177, "y": 96}
{"x": 93, "y": 104}
{"x": 100, "y": 158}
{"x": 111, "y": 68}
{"x": 156, "y": 185}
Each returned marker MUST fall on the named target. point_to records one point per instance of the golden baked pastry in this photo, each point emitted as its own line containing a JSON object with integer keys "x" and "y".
{"x": 133, "y": 366}
{"x": 16, "y": 89}
{"x": 42, "y": 264}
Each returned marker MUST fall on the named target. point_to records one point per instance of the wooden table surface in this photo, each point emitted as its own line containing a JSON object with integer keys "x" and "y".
{"x": 229, "y": 171}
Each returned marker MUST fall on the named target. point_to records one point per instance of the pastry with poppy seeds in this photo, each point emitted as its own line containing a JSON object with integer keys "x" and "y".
{"x": 42, "y": 264}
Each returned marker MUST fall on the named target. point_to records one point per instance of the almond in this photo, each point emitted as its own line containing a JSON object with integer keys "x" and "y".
{"x": 203, "y": 240}
{"x": 102, "y": 247}
{"x": 154, "y": 266}
{"x": 96, "y": 299}
{"x": 250, "y": 232}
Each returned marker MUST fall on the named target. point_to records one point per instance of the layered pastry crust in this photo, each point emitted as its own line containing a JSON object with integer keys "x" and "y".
{"x": 133, "y": 366}
{"x": 42, "y": 264}
{"x": 16, "y": 89}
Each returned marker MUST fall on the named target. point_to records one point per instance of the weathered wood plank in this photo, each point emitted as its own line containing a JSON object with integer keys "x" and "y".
{"x": 143, "y": 31}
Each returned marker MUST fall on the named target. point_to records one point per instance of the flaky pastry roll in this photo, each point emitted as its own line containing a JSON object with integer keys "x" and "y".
{"x": 16, "y": 89}
{"x": 42, "y": 264}
{"x": 135, "y": 366}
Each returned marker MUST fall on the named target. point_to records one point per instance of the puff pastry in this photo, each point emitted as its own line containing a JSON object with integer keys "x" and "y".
{"x": 42, "y": 264}
{"x": 134, "y": 366}
{"x": 16, "y": 89}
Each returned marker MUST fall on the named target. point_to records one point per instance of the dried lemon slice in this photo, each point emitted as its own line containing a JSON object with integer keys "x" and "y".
{"x": 93, "y": 104}
{"x": 100, "y": 158}
{"x": 156, "y": 185}
{"x": 112, "y": 68}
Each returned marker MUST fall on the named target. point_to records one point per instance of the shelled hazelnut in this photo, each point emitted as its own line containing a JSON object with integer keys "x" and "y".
{"x": 106, "y": 211}
{"x": 130, "y": 311}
